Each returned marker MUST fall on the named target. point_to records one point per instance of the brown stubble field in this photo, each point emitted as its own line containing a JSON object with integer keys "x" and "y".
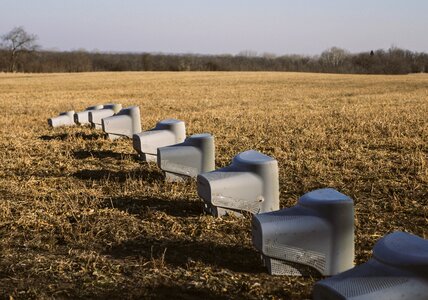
{"x": 82, "y": 217}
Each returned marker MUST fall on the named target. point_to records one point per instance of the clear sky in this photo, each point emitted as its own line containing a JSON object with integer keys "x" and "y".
{"x": 221, "y": 26}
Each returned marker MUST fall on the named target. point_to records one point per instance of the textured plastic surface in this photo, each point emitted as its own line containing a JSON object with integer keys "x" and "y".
{"x": 125, "y": 123}
{"x": 398, "y": 270}
{"x": 166, "y": 133}
{"x": 318, "y": 233}
{"x": 403, "y": 250}
{"x": 64, "y": 119}
{"x": 96, "y": 116}
{"x": 188, "y": 159}
{"x": 250, "y": 183}
{"x": 83, "y": 116}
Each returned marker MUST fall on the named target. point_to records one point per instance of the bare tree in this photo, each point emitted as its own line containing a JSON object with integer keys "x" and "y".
{"x": 334, "y": 57}
{"x": 247, "y": 53}
{"x": 17, "y": 41}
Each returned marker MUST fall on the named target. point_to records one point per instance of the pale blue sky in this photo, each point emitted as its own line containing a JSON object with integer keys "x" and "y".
{"x": 220, "y": 26}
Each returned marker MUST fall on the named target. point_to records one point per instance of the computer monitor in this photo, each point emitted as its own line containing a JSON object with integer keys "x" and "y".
{"x": 398, "y": 269}
{"x": 95, "y": 116}
{"x": 318, "y": 232}
{"x": 64, "y": 119}
{"x": 82, "y": 117}
{"x": 188, "y": 159}
{"x": 250, "y": 183}
{"x": 125, "y": 123}
{"x": 166, "y": 133}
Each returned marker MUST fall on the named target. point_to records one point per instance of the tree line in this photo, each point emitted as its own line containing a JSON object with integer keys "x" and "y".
{"x": 20, "y": 53}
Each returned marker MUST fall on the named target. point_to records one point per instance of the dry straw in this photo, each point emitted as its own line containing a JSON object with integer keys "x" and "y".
{"x": 80, "y": 216}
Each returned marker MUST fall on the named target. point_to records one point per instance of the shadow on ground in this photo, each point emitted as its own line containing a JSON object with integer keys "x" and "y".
{"x": 119, "y": 176}
{"x": 83, "y": 154}
{"x": 182, "y": 292}
{"x": 58, "y": 137}
{"x": 187, "y": 251}
{"x": 175, "y": 208}
{"x": 165, "y": 290}
{"x": 66, "y": 136}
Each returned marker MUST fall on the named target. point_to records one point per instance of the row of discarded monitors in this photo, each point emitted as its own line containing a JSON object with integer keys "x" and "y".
{"x": 317, "y": 233}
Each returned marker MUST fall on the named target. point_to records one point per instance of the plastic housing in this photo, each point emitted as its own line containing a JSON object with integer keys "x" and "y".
{"x": 166, "y": 133}
{"x": 188, "y": 159}
{"x": 317, "y": 233}
{"x": 64, "y": 119}
{"x": 82, "y": 117}
{"x": 250, "y": 183}
{"x": 125, "y": 123}
{"x": 95, "y": 116}
{"x": 397, "y": 270}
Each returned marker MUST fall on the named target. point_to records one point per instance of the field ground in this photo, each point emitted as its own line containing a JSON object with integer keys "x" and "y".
{"x": 82, "y": 217}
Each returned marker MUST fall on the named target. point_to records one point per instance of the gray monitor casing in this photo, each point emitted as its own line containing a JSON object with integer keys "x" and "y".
{"x": 250, "y": 183}
{"x": 96, "y": 116}
{"x": 125, "y": 123}
{"x": 64, "y": 119}
{"x": 166, "y": 133}
{"x": 318, "y": 233}
{"x": 397, "y": 270}
{"x": 82, "y": 117}
{"x": 188, "y": 159}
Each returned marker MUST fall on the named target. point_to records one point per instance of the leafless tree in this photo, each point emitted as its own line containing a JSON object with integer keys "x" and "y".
{"x": 334, "y": 57}
{"x": 247, "y": 53}
{"x": 17, "y": 41}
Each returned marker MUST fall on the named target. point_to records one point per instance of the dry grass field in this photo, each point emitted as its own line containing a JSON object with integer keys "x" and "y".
{"x": 82, "y": 217}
